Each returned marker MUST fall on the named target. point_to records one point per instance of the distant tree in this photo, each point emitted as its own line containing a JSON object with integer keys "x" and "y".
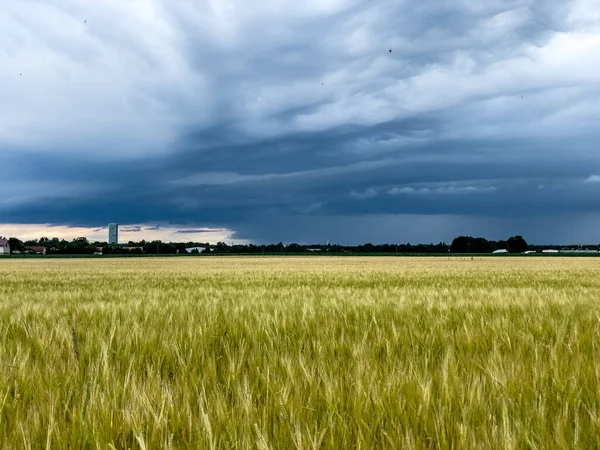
{"x": 468, "y": 244}
{"x": 517, "y": 244}
{"x": 80, "y": 242}
{"x": 460, "y": 244}
{"x": 479, "y": 245}
{"x": 221, "y": 247}
{"x": 251, "y": 249}
{"x": 501, "y": 245}
{"x": 293, "y": 248}
{"x": 16, "y": 245}
{"x": 78, "y": 245}
{"x": 368, "y": 248}
{"x": 334, "y": 248}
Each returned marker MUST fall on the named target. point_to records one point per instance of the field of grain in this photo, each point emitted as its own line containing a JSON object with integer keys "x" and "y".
{"x": 300, "y": 353}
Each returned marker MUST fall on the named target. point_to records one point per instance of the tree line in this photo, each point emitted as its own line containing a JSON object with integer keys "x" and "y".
{"x": 468, "y": 244}
{"x": 460, "y": 245}
{"x": 82, "y": 246}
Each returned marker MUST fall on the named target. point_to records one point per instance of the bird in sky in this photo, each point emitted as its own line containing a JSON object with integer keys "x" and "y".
{"x": 390, "y": 51}
{"x": 85, "y": 21}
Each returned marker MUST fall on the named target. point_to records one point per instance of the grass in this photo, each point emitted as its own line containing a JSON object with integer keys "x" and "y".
{"x": 300, "y": 353}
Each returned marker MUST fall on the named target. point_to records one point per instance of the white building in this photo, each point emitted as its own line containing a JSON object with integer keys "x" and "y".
{"x": 4, "y": 246}
{"x": 198, "y": 249}
{"x": 501, "y": 251}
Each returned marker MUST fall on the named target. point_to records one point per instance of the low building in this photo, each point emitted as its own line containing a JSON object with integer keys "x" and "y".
{"x": 4, "y": 246}
{"x": 198, "y": 249}
{"x": 500, "y": 251}
{"x": 37, "y": 249}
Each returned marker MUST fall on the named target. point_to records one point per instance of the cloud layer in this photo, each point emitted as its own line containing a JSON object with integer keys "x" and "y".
{"x": 254, "y": 117}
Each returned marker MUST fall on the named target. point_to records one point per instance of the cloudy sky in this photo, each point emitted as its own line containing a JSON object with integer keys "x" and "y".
{"x": 286, "y": 120}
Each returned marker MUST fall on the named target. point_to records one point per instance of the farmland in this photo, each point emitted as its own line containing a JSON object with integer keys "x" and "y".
{"x": 300, "y": 352}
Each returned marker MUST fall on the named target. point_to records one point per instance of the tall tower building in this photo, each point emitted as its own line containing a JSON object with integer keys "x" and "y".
{"x": 113, "y": 233}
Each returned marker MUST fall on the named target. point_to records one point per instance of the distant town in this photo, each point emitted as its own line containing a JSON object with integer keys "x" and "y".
{"x": 460, "y": 245}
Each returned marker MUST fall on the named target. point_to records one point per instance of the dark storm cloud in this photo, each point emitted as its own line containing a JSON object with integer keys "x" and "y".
{"x": 201, "y": 230}
{"x": 277, "y": 119}
{"x": 136, "y": 229}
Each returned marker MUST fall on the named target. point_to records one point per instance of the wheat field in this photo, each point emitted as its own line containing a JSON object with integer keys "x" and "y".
{"x": 300, "y": 353}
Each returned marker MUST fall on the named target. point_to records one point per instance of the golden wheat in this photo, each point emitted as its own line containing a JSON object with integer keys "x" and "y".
{"x": 300, "y": 353}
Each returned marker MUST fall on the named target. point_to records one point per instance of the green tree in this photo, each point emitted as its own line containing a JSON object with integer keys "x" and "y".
{"x": 221, "y": 247}
{"x": 517, "y": 244}
{"x": 78, "y": 246}
{"x": 80, "y": 242}
{"x": 16, "y": 245}
{"x": 460, "y": 244}
{"x": 479, "y": 245}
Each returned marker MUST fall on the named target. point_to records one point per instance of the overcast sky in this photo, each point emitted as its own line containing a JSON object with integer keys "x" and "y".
{"x": 287, "y": 120}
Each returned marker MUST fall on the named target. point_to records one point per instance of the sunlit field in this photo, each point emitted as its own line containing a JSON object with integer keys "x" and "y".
{"x": 300, "y": 353}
